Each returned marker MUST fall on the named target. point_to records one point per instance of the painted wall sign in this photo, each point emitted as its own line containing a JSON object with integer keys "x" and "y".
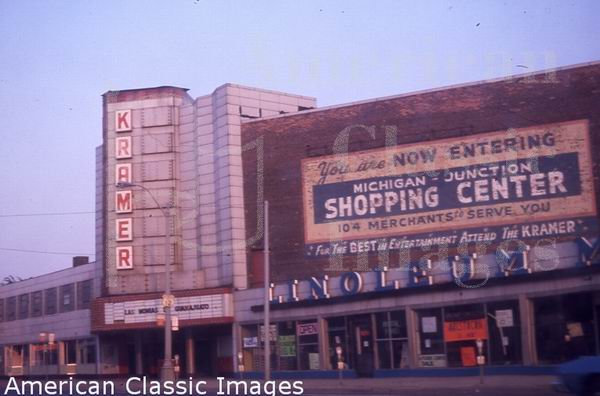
{"x": 186, "y": 308}
{"x": 525, "y": 183}
{"x": 462, "y": 330}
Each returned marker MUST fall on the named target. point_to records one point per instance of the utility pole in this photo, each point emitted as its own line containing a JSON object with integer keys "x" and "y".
{"x": 266, "y": 326}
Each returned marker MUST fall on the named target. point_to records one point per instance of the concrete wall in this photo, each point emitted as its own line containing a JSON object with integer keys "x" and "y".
{"x": 67, "y": 325}
{"x": 204, "y": 183}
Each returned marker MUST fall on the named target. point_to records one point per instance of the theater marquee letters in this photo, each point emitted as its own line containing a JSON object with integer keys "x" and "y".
{"x": 515, "y": 184}
{"x": 186, "y": 308}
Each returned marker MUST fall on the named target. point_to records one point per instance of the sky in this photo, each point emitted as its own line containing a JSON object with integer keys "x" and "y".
{"x": 58, "y": 57}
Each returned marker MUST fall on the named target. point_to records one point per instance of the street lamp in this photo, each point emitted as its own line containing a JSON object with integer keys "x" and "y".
{"x": 168, "y": 371}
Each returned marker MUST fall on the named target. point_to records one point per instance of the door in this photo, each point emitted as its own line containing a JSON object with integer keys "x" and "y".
{"x": 204, "y": 357}
{"x": 361, "y": 332}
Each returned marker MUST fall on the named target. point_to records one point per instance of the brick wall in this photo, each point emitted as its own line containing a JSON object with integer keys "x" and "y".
{"x": 564, "y": 95}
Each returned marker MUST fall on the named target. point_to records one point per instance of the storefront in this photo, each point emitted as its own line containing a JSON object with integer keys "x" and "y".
{"x": 430, "y": 232}
{"x": 525, "y": 324}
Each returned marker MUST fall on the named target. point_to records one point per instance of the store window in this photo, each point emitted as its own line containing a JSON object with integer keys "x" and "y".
{"x": 66, "y": 298}
{"x": 448, "y": 336}
{"x": 37, "y": 355}
{"x": 272, "y": 337}
{"x": 86, "y": 351}
{"x": 17, "y": 356}
{"x": 84, "y": 294}
{"x": 308, "y": 345}
{"x": 50, "y": 299}
{"x": 11, "y": 308}
{"x": 23, "y": 306}
{"x": 463, "y": 326}
{"x": 253, "y": 357}
{"x": 287, "y": 353}
{"x": 564, "y": 327}
{"x": 504, "y": 326}
{"x": 431, "y": 338}
{"x": 70, "y": 349}
{"x": 294, "y": 346}
{"x": 338, "y": 338}
{"x": 392, "y": 340}
{"x": 36, "y": 304}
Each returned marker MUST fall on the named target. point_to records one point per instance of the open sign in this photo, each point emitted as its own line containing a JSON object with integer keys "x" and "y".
{"x": 303, "y": 329}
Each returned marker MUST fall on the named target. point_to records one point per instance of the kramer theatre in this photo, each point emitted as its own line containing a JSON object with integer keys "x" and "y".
{"x": 422, "y": 233}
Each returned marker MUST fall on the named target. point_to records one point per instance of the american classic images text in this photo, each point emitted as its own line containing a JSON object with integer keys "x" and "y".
{"x": 142, "y": 386}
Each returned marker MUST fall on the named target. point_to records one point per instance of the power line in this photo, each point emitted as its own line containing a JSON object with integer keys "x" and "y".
{"x": 44, "y": 214}
{"x": 46, "y": 252}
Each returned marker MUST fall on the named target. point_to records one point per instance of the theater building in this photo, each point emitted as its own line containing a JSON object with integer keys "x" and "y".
{"x": 181, "y": 160}
{"x": 406, "y": 230}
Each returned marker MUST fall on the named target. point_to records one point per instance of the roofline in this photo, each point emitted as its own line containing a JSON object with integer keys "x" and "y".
{"x": 262, "y": 90}
{"x": 425, "y": 91}
{"x": 145, "y": 89}
{"x": 47, "y": 274}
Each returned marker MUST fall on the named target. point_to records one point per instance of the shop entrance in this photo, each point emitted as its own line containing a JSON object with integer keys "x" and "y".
{"x": 361, "y": 344}
{"x": 198, "y": 351}
{"x": 205, "y": 356}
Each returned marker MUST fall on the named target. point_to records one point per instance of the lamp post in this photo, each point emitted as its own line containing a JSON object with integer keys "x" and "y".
{"x": 168, "y": 371}
{"x": 267, "y": 319}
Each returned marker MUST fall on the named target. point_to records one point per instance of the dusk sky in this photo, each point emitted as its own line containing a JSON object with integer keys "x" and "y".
{"x": 58, "y": 57}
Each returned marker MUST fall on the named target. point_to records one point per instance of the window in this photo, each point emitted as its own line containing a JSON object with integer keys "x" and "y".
{"x": 70, "y": 351}
{"x": 308, "y": 345}
{"x": 86, "y": 351}
{"x": 36, "y": 304}
{"x": 432, "y": 351}
{"x": 286, "y": 346}
{"x": 37, "y": 358}
{"x": 338, "y": 337}
{"x": 1, "y": 310}
{"x": 50, "y": 300}
{"x": 67, "y": 301}
{"x": 23, "y": 306}
{"x": 463, "y": 325}
{"x": 253, "y": 358}
{"x": 504, "y": 326}
{"x": 84, "y": 294}
{"x": 392, "y": 341}
{"x": 448, "y": 336}
{"x": 564, "y": 327}
{"x": 17, "y": 355}
{"x": 11, "y": 308}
